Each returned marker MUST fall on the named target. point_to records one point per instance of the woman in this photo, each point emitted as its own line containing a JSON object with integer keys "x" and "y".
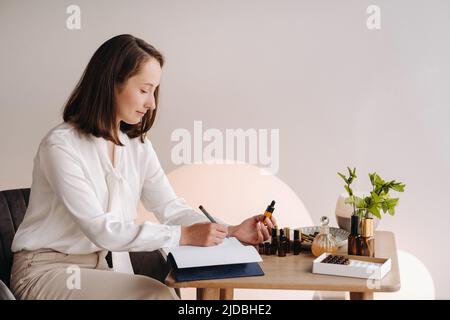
{"x": 90, "y": 172}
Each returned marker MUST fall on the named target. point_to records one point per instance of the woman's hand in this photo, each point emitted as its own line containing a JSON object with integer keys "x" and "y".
{"x": 252, "y": 230}
{"x": 203, "y": 234}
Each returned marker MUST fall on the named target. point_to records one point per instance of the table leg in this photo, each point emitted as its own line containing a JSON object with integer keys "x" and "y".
{"x": 208, "y": 293}
{"x": 361, "y": 295}
{"x": 226, "y": 294}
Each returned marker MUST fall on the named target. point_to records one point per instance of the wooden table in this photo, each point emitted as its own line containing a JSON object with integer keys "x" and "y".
{"x": 295, "y": 273}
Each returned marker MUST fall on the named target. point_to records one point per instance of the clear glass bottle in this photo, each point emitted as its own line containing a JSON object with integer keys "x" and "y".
{"x": 324, "y": 241}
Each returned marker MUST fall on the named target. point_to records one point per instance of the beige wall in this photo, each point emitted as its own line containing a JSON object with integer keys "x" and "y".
{"x": 339, "y": 93}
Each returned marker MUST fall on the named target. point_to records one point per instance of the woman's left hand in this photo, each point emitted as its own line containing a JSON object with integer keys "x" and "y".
{"x": 253, "y": 230}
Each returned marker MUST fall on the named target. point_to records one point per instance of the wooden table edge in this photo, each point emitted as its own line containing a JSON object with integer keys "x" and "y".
{"x": 203, "y": 284}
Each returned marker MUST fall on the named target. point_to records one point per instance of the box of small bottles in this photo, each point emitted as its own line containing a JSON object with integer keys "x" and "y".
{"x": 352, "y": 266}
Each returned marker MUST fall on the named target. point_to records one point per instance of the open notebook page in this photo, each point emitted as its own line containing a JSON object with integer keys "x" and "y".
{"x": 230, "y": 251}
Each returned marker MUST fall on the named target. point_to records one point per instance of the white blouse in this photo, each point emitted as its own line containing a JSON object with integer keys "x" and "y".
{"x": 80, "y": 203}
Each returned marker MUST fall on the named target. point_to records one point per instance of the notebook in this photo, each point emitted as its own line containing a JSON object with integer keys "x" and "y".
{"x": 229, "y": 259}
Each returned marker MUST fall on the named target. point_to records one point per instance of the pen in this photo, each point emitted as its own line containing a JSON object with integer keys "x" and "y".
{"x": 207, "y": 214}
{"x": 210, "y": 217}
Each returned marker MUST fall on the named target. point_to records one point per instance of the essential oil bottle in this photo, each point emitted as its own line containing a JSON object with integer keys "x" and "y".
{"x": 297, "y": 245}
{"x": 282, "y": 244}
{"x": 261, "y": 248}
{"x": 267, "y": 248}
{"x": 366, "y": 242}
{"x": 274, "y": 242}
{"x": 287, "y": 234}
{"x": 324, "y": 241}
{"x": 269, "y": 211}
{"x": 354, "y": 237}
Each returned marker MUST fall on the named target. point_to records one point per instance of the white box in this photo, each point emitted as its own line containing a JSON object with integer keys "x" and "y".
{"x": 359, "y": 267}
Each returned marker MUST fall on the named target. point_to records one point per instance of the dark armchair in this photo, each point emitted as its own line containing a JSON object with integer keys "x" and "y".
{"x": 13, "y": 205}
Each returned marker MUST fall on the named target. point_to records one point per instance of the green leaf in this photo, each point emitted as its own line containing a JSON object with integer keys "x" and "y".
{"x": 398, "y": 186}
{"x": 384, "y": 206}
{"x": 350, "y": 176}
{"x": 361, "y": 213}
{"x": 377, "y": 181}
{"x": 375, "y": 197}
{"x": 391, "y": 211}
{"x": 372, "y": 178}
{"x": 360, "y": 203}
{"x": 392, "y": 202}
{"x": 343, "y": 177}
{"x": 350, "y": 200}
{"x": 350, "y": 192}
{"x": 375, "y": 211}
{"x": 368, "y": 201}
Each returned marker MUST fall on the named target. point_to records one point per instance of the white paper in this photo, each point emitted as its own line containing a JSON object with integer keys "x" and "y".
{"x": 230, "y": 251}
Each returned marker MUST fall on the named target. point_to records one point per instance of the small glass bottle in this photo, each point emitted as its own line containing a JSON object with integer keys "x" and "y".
{"x": 268, "y": 213}
{"x": 354, "y": 237}
{"x": 366, "y": 242}
{"x": 287, "y": 234}
{"x": 324, "y": 241}
{"x": 261, "y": 248}
{"x": 274, "y": 242}
{"x": 297, "y": 245}
{"x": 282, "y": 244}
{"x": 267, "y": 248}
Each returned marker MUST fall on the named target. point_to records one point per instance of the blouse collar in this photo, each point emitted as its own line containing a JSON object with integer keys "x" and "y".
{"x": 102, "y": 148}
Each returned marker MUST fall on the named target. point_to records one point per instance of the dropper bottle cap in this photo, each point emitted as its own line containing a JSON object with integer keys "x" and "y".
{"x": 355, "y": 225}
{"x": 271, "y": 206}
{"x": 275, "y": 231}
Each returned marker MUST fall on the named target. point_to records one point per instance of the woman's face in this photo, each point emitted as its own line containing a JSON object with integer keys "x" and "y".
{"x": 137, "y": 95}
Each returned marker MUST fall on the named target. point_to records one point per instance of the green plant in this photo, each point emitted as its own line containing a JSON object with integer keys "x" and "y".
{"x": 379, "y": 199}
{"x": 348, "y": 181}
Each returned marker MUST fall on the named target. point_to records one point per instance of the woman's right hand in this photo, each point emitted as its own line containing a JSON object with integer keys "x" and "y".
{"x": 203, "y": 234}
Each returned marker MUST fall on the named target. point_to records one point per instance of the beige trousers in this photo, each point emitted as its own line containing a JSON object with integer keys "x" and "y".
{"x": 47, "y": 274}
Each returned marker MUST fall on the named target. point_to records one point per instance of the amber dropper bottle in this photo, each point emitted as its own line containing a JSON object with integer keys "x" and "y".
{"x": 267, "y": 248}
{"x": 261, "y": 248}
{"x": 367, "y": 239}
{"x": 274, "y": 242}
{"x": 287, "y": 234}
{"x": 297, "y": 245}
{"x": 354, "y": 237}
{"x": 282, "y": 244}
{"x": 269, "y": 211}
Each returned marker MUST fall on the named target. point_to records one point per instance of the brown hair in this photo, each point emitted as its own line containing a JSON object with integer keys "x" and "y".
{"x": 91, "y": 107}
